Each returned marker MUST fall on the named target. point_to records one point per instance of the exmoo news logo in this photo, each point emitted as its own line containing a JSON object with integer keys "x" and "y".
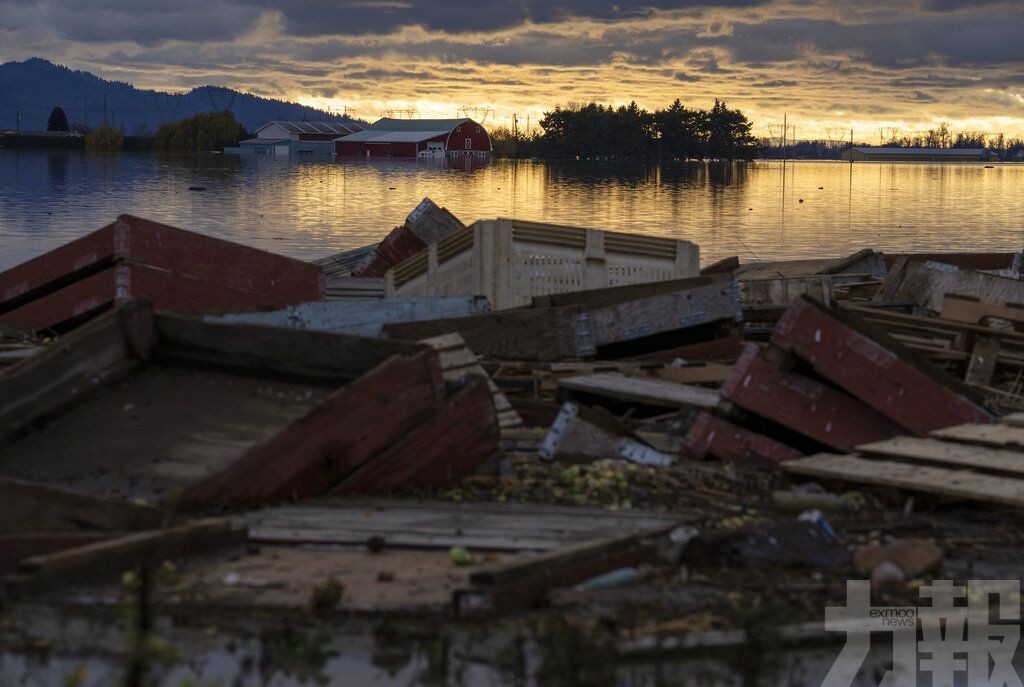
{"x": 965, "y": 634}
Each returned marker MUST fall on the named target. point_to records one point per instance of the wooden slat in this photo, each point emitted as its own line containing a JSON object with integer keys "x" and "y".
{"x": 457, "y": 361}
{"x": 488, "y": 526}
{"x": 328, "y": 357}
{"x": 948, "y": 453}
{"x": 69, "y": 370}
{"x": 966, "y": 309}
{"x": 963, "y": 484}
{"x": 640, "y": 390}
{"x": 31, "y": 507}
{"x": 996, "y": 436}
{"x": 110, "y": 557}
{"x": 879, "y": 371}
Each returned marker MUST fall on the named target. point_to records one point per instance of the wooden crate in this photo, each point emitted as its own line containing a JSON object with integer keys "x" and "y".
{"x": 186, "y": 414}
{"x": 133, "y": 258}
{"x": 588, "y": 323}
{"x": 510, "y": 262}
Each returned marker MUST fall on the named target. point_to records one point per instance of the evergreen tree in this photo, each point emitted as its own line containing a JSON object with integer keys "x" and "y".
{"x": 58, "y": 121}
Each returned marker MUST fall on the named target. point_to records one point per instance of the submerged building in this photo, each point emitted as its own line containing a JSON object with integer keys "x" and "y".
{"x": 894, "y": 154}
{"x": 417, "y": 138}
{"x": 291, "y": 138}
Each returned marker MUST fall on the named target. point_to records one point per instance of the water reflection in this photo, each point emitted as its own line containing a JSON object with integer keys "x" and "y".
{"x": 309, "y": 208}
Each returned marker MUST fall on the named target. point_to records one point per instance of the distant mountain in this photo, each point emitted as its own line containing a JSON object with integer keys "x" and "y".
{"x": 31, "y": 89}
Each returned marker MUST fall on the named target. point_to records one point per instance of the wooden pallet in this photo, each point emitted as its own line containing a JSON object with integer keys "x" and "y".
{"x": 958, "y": 341}
{"x": 969, "y": 462}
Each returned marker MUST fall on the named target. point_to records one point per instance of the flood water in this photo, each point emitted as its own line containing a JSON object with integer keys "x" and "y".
{"x": 308, "y": 209}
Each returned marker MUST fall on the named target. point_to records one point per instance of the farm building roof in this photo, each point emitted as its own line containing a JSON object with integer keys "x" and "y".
{"x": 921, "y": 151}
{"x": 388, "y": 130}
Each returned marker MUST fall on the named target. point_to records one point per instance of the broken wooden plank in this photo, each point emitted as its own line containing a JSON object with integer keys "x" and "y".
{"x": 15, "y": 547}
{"x": 32, "y": 507}
{"x": 997, "y": 436}
{"x": 525, "y": 581}
{"x": 358, "y": 317}
{"x": 654, "y": 392}
{"x": 972, "y": 310}
{"x": 442, "y": 524}
{"x": 960, "y": 484}
{"x": 948, "y": 454}
{"x": 581, "y": 434}
{"x": 106, "y": 560}
{"x": 681, "y": 372}
{"x": 714, "y": 436}
{"x": 763, "y": 383}
{"x": 328, "y": 357}
{"x": 871, "y": 366}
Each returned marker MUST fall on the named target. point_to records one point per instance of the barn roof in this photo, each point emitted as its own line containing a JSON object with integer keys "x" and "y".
{"x": 390, "y": 124}
{"x": 336, "y": 128}
{"x": 388, "y": 130}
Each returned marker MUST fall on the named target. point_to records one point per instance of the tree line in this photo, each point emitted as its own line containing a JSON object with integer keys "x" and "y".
{"x": 590, "y": 131}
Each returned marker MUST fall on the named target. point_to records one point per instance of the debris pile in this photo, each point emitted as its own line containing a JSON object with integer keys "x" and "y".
{"x": 544, "y": 416}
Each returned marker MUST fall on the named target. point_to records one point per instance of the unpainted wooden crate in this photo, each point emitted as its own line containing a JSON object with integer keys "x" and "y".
{"x": 511, "y": 261}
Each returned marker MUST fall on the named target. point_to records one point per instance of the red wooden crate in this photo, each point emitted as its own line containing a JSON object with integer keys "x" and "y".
{"x": 765, "y": 387}
{"x": 126, "y": 281}
{"x": 878, "y": 370}
{"x": 270, "y": 279}
{"x": 713, "y": 436}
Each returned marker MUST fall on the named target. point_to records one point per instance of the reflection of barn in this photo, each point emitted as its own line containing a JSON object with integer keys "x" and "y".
{"x": 417, "y": 138}
{"x": 290, "y": 138}
{"x": 916, "y": 154}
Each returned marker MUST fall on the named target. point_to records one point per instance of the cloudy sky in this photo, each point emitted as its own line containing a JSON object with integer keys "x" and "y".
{"x": 865, "y": 64}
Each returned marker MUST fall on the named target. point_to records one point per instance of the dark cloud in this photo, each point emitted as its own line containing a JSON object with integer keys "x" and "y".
{"x": 328, "y": 17}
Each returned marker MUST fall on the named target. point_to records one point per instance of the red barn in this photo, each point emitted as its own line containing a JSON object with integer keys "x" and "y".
{"x": 416, "y": 138}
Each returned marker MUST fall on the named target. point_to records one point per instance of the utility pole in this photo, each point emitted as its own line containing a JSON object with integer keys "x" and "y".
{"x": 104, "y": 108}
{"x": 85, "y": 110}
{"x": 17, "y": 125}
{"x": 785, "y": 130}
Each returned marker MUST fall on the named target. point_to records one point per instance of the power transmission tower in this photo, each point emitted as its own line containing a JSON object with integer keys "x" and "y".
{"x": 477, "y": 114}
{"x": 887, "y": 133}
{"x": 399, "y": 114}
